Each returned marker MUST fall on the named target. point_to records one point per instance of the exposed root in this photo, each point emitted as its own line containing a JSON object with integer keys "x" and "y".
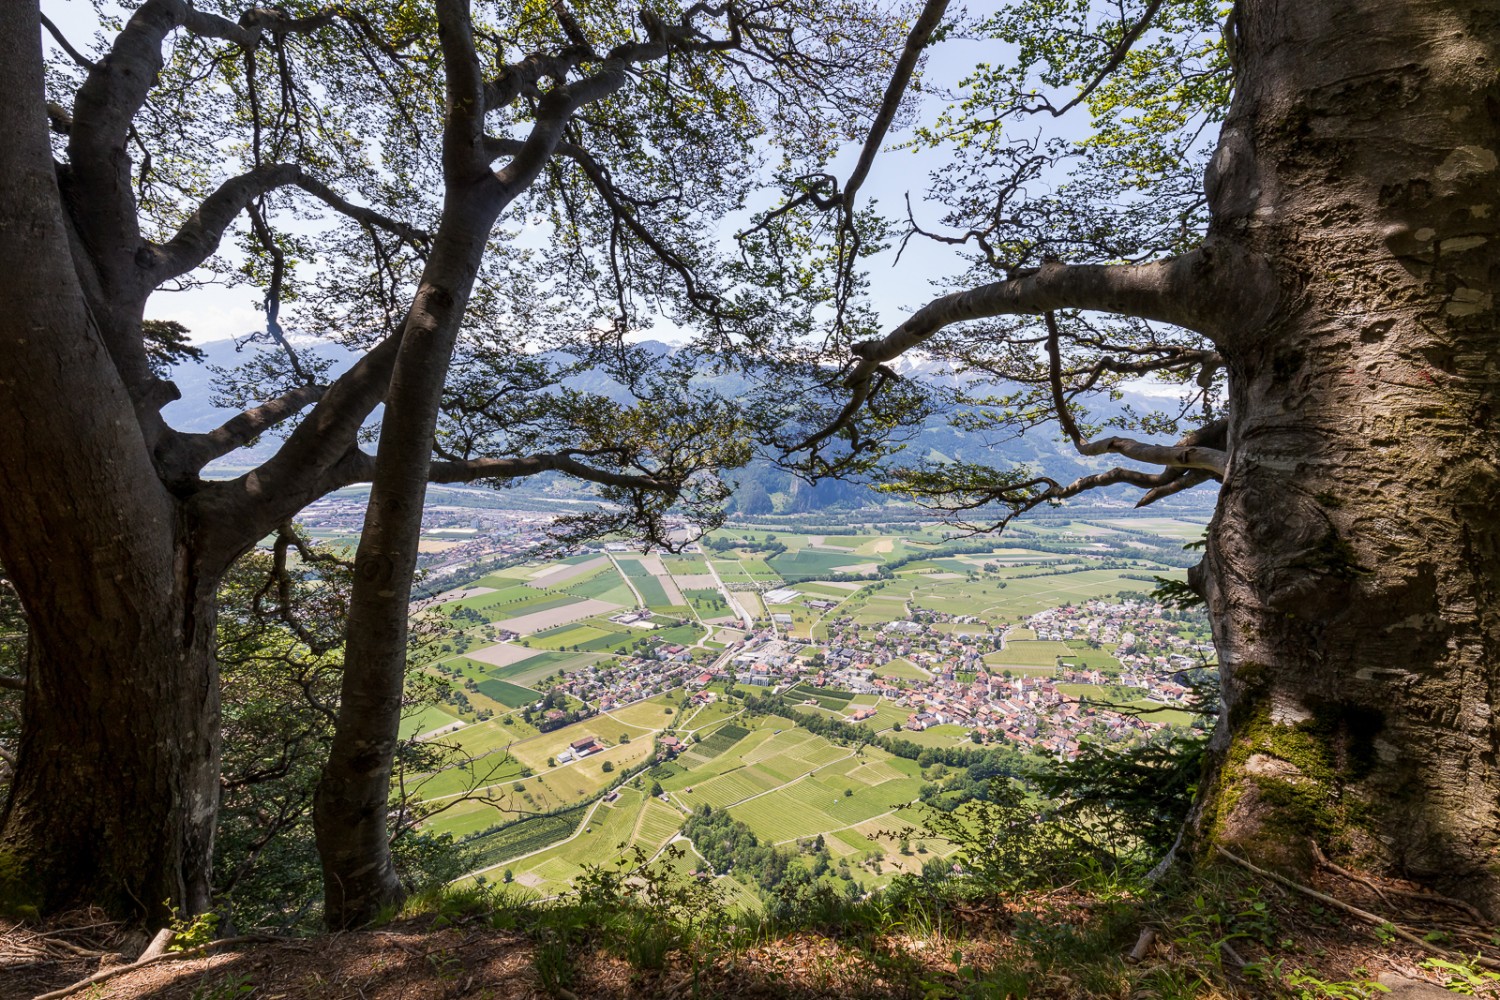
{"x": 1365, "y": 915}
{"x": 153, "y": 955}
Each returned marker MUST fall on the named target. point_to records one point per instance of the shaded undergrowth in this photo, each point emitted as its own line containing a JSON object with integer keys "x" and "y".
{"x": 1215, "y": 932}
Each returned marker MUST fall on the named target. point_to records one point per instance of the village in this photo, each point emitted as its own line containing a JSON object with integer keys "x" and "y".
{"x": 1129, "y": 674}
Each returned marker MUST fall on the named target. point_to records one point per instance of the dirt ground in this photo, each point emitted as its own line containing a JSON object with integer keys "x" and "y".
{"x": 465, "y": 958}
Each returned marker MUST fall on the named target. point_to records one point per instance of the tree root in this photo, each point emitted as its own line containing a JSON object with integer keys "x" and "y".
{"x": 1142, "y": 945}
{"x": 154, "y": 955}
{"x": 1364, "y": 915}
{"x": 1425, "y": 897}
{"x": 1323, "y": 862}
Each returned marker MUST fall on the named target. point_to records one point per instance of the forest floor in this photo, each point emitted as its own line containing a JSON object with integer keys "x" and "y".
{"x": 1229, "y": 938}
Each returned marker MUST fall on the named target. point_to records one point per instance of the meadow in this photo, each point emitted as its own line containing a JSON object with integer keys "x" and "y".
{"x": 780, "y": 779}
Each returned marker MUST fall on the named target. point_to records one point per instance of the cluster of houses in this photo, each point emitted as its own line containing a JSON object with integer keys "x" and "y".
{"x": 622, "y": 680}
{"x": 1147, "y": 641}
{"x": 961, "y": 689}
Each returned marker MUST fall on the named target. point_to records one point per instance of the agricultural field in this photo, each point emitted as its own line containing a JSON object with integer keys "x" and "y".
{"x": 708, "y": 604}
{"x": 809, "y": 563}
{"x": 769, "y": 772}
{"x": 425, "y": 721}
{"x": 685, "y": 565}
{"x": 784, "y": 782}
{"x": 650, "y": 578}
{"x": 1029, "y": 653}
{"x": 604, "y": 584}
{"x": 507, "y": 694}
{"x": 901, "y": 669}
{"x": 511, "y": 600}
{"x": 730, "y": 571}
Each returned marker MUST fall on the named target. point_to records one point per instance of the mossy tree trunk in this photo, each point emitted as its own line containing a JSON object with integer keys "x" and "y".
{"x": 1353, "y": 565}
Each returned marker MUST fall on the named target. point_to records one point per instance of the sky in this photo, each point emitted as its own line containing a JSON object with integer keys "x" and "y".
{"x": 897, "y": 288}
{"x": 216, "y": 313}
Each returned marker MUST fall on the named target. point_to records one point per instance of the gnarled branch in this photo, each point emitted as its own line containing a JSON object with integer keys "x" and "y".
{"x": 530, "y": 465}
{"x": 1189, "y": 453}
{"x": 242, "y": 428}
{"x": 1210, "y": 290}
{"x": 199, "y": 237}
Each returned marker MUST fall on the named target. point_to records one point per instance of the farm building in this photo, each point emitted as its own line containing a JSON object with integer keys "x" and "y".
{"x": 586, "y": 746}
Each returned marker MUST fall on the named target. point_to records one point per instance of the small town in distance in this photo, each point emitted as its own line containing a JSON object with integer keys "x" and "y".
{"x": 817, "y": 683}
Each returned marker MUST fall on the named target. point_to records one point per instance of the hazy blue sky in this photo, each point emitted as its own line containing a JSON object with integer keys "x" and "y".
{"x": 219, "y": 313}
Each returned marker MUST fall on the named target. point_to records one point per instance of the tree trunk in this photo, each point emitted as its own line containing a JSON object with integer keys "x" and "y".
{"x": 353, "y": 796}
{"x": 114, "y": 793}
{"x": 1353, "y": 566}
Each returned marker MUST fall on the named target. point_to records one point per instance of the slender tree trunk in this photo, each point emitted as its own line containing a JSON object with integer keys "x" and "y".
{"x": 1353, "y": 566}
{"x": 353, "y": 796}
{"x": 114, "y": 795}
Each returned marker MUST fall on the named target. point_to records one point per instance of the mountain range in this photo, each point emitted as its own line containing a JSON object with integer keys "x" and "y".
{"x": 762, "y": 486}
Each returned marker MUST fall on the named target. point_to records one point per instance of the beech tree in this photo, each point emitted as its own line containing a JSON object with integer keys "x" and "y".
{"x": 350, "y": 163}
{"x": 1290, "y": 214}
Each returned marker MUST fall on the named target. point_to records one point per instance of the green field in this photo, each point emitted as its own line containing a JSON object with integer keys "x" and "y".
{"x": 685, "y": 565}
{"x": 649, "y": 586}
{"x": 508, "y": 694}
{"x": 604, "y": 584}
{"x": 808, "y": 563}
{"x": 511, "y": 600}
{"x": 652, "y": 592}
{"x": 782, "y": 780}
{"x": 730, "y": 571}
{"x": 580, "y": 636}
{"x": 901, "y": 669}
{"x": 1029, "y": 653}
{"x": 545, "y": 664}
{"x": 834, "y": 701}
{"x": 526, "y": 836}
{"x": 759, "y": 570}
{"x": 708, "y": 603}
{"x": 425, "y": 721}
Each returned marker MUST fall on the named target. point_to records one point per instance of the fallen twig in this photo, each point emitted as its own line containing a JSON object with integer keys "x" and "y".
{"x": 147, "y": 960}
{"x": 1365, "y": 915}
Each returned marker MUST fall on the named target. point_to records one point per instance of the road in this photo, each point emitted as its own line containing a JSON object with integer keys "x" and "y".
{"x": 719, "y": 582}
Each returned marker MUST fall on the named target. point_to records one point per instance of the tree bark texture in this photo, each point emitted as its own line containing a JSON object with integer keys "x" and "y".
{"x": 114, "y": 795}
{"x": 354, "y": 794}
{"x": 1353, "y": 565}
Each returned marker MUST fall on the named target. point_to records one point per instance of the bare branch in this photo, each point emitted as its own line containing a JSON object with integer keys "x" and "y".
{"x": 1183, "y": 455}
{"x": 245, "y": 427}
{"x": 599, "y": 177}
{"x": 64, "y": 44}
{"x": 895, "y": 90}
{"x": 530, "y": 465}
{"x": 1186, "y": 481}
{"x": 199, "y": 237}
